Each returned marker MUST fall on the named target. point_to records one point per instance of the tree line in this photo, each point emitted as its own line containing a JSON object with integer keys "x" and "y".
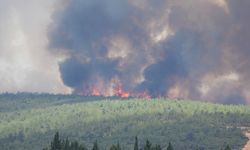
{"x": 64, "y": 144}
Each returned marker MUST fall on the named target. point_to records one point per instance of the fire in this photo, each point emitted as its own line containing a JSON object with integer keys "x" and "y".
{"x": 95, "y": 92}
{"x": 118, "y": 91}
{"x": 114, "y": 89}
{"x": 143, "y": 95}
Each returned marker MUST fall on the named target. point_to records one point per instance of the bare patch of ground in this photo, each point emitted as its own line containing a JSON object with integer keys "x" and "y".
{"x": 247, "y": 146}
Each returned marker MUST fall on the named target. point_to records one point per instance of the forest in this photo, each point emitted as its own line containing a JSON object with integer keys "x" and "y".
{"x": 65, "y": 144}
{"x": 29, "y": 122}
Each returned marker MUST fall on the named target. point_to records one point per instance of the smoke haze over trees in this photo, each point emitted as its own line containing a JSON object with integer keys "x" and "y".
{"x": 188, "y": 49}
{"x": 181, "y": 49}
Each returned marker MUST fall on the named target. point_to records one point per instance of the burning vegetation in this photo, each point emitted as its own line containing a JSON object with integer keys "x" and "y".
{"x": 190, "y": 49}
{"x": 116, "y": 90}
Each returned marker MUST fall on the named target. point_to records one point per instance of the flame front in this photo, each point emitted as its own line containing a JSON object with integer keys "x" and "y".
{"x": 118, "y": 91}
{"x": 115, "y": 89}
{"x": 95, "y": 92}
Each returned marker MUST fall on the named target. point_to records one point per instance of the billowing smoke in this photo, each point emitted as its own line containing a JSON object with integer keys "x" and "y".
{"x": 196, "y": 49}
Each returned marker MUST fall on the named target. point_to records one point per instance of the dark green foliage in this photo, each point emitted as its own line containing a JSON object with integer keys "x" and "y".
{"x": 119, "y": 146}
{"x": 157, "y": 147}
{"x": 56, "y": 143}
{"x": 115, "y": 147}
{"x": 95, "y": 146}
{"x": 26, "y": 122}
{"x": 136, "y": 146}
{"x": 170, "y": 147}
{"x": 147, "y": 145}
{"x": 82, "y": 147}
{"x": 227, "y": 148}
{"x": 66, "y": 145}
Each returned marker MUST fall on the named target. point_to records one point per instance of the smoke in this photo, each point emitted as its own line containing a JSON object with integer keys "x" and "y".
{"x": 25, "y": 63}
{"x": 180, "y": 49}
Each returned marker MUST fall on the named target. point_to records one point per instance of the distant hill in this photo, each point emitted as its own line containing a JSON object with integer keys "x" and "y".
{"x": 29, "y": 121}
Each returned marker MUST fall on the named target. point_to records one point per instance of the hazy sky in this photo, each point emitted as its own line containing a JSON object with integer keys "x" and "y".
{"x": 195, "y": 49}
{"x": 25, "y": 62}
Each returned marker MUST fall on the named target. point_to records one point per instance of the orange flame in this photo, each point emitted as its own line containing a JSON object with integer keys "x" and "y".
{"x": 118, "y": 91}
{"x": 115, "y": 89}
{"x": 95, "y": 92}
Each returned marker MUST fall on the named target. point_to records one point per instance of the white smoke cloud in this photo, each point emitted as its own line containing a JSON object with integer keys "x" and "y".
{"x": 25, "y": 63}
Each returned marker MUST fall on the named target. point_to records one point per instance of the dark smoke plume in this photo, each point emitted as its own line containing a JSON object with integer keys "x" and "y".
{"x": 181, "y": 49}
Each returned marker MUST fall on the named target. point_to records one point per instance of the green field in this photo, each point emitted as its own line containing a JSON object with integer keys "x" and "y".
{"x": 29, "y": 121}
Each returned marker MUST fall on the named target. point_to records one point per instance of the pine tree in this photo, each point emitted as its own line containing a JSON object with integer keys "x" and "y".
{"x": 82, "y": 147}
{"x": 170, "y": 147}
{"x": 157, "y": 147}
{"x": 118, "y": 146}
{"x": 227, "y": 148}
{"x": 56, "y": 143}
{"x": 113, "y": 147}
{"x": 136, "y": 147}
{"x": 148, "y": 145}
{"x": 95, "y": 146}
{"x": 74, "y": 145}
{"x": 66, "y": 145}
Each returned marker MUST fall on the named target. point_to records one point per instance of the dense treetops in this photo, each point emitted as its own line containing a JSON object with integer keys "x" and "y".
{"x": 58, "y": 144}
{"x": 28, "y": 121}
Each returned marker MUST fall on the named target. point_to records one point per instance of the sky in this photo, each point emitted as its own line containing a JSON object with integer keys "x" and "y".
{"x": 192, "y": 49}
{"x": 26, "y": 65}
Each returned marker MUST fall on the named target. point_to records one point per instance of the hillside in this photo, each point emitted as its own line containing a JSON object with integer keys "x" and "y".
{"x": 28, "y": 122}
